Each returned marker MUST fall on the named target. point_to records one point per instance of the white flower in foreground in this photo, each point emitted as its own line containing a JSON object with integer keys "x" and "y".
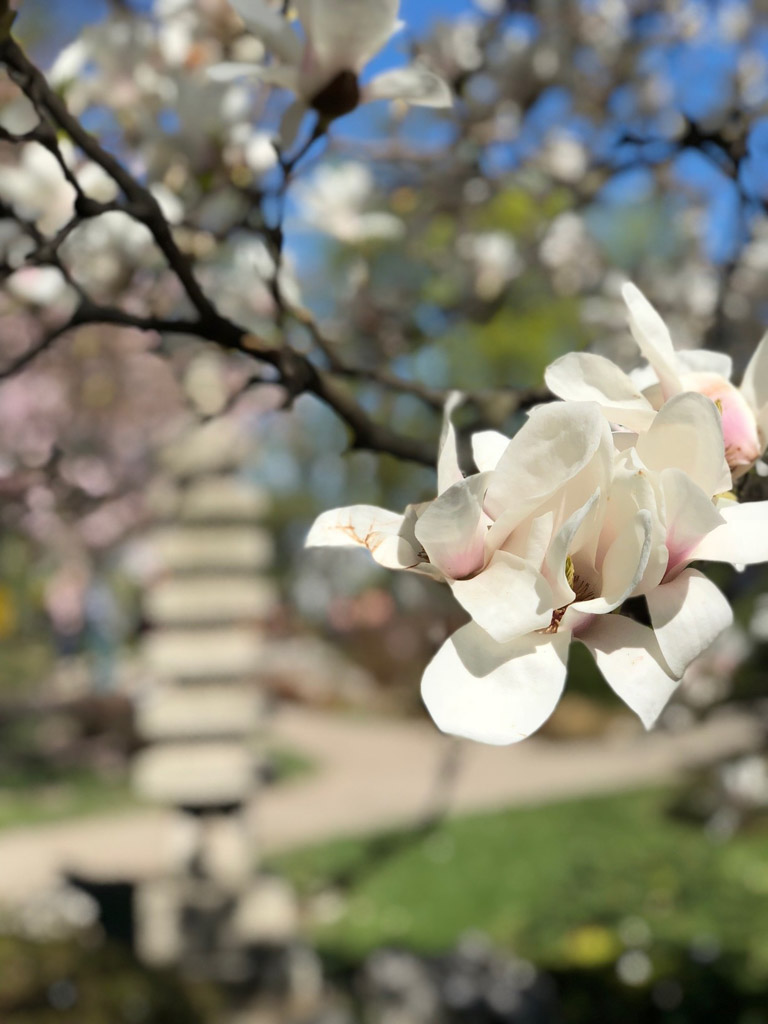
{"x": 491, "y": 530}
{"x": 583, "y": 376}
{"x": 323, "y": 67}
{"x": 560, "y": 527}
{"x": 637, "y": 543}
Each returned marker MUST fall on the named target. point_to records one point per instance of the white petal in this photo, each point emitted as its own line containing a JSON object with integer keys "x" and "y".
{"x": 495, "y": 693}
{"x": 452, "y": 529}
{"x": 687, "y": 434}
{"x": 630, "y": 659}
{"x": 282, "y": 75}
{"x": 631, "y": 490}
{"x": 754, "y": 387}
{"x": 742, "y": 539}
{"x": 415, "y": 85}
{"x": 562, "y": 545}
{"x": 365, "y": 526}
{"x": 508, "y": 598}
{"x": 530, "y": 540}
{"x": 703, "y": 360}
{"x": 487, "y": 448}
{"x": 345, "y": 34}
{"x": 689, "y": 516}
{"x": 290, "y": 124}
{"x": 583, "y": 377}
{"x": 623, "y": 440}
{"x": 448, "y": 471}
{"x": 687, "y": 614}
{"x": 623, "y": 566}
{"x": 271, "y": 28}
{"x": 557, "y": 441}
{"x": 653, "y": 339}
{"x": 230, "y": 71}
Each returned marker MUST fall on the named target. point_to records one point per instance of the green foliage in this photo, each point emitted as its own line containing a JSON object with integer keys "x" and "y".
{"x": 513, "y": 347}
{"x": 521, "y": 213}
{"x": 25, "y": 649}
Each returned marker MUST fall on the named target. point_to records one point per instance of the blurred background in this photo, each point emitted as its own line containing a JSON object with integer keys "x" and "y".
{"x": 220, "y": 798}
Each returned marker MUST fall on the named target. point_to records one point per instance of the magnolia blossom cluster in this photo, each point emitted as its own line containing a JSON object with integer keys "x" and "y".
{"x": 606, "y": 495}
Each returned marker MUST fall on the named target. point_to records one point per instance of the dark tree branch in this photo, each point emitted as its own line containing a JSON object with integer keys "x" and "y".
{"x": 295, "y": 372}
{"x": 143, "y": 205}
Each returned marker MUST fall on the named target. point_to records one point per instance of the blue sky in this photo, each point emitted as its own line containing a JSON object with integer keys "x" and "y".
{"x": 61, "y": 20}
{"x": 697, "y": 71}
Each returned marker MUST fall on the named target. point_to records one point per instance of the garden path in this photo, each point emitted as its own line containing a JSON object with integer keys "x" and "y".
{"x": 372, "y": 773}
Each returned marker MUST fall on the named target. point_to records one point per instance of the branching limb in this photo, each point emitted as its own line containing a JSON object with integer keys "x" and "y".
{"x": 294, "y": 371}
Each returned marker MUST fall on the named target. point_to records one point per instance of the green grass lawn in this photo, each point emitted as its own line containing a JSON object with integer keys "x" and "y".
{"x": 568, "y": 885}
{"x": 35, "y": 794}
{"x": 72, "y": 794}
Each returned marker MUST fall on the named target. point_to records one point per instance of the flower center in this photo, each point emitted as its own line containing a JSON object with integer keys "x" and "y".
{"x": 340, "y": 96}
{"x": 581, "y": 589}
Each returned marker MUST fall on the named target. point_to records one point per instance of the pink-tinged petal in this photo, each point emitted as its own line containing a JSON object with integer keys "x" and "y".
{"x": 687, "y": 615}
{"x": 687, "y": 434}
{"x": 689, "y": 516}
{"x": 742, "y": 445}
{"x": 452, "y": 528}
{"x": 345, "y": 34}
{"x": 365, "y": 526}
{"x": 630, "y": 660}
{"x": 557, "y": 441}
{"x": 495, "y": 693}
{"x": 488, "y": 446}
{"x": 653, "y": 339}
{"x": 273, "y": 30}
{"x": 415, "y": 85}
{"x": 741, "y": 539}
{"x": 704, "y": 360}
{"x": 448, "y": 471}
{"x": 583, "y": 377}
{"x": 507, "y": 599}
{"x": 754, "y": 387}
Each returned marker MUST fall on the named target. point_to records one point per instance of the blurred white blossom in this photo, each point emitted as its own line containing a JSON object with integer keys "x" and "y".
{"x": 334, "y": 201}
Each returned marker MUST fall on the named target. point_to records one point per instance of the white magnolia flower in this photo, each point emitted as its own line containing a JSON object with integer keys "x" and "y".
{"x": 339, "y": 38}
{"x": 489, "y": 530}
{"x": 625, "y": 541}
{"x": 582, "y": 376}
{"x": 560, "y": 527}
